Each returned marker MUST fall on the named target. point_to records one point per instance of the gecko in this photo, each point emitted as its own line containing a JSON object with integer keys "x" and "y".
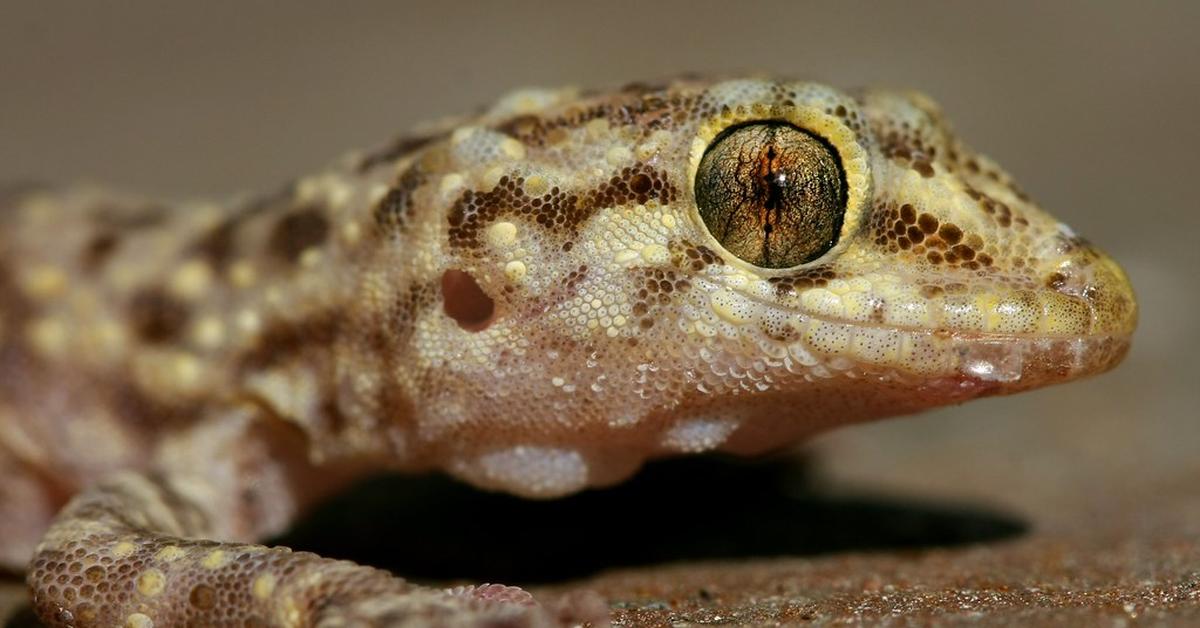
{"x": 533, "y": 299}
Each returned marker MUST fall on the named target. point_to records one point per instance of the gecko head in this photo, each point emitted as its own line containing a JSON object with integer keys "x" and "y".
{"x": 864, "y": 236}
{"x": 736, "y": 264}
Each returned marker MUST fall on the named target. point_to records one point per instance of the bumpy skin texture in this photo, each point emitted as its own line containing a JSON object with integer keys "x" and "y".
{"x": 528, "y": 300}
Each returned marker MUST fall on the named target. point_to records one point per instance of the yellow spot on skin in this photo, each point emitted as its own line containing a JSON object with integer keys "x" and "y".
{"x": 492, "y": 177}
{"x": 515, "y": 271}
{"x": 123, "y": 549}
{"x": 668, "y": 221}
{"x": 656, "y": 254}
{"x": 263, "y": 586}
{"x": 308, "y": 188}
{"x": 138, "y": 620}
{"x": 536, "y": 185}
{"x": 502, "y": 234}
{"x": 44, "y": 282}
{"x": 828, "y": 338}
{"x": 618, "y": 155}
{"x": 625, "y": 256}
{"x": 597, "y": 129}
{"x": 107, "y": 337}
{"x": 338, "y": 192}
{"x": 451, "y": 183}
{"x": 186, "y": 369}
{"x": 858, "y": 306}
{"x": 151, "y": 582}
{"x": 728, "y": 307}
{"x": 48, "y": 337}
{"x": 209, "y": 332}
{"x": 215, "y": 560}
{"x": 311, "y": 257}
{"x": 249, "y": 321}
{"x": 242, "y": 274}
{"x": 462, "y": 134}
{"x": 512, "y": 148}
{"x": 170, "y": 553}
{"x": 352, "y": 232}
{"x": 822, "y": 302}
{"x": 986, "y": 303}
{"x": 192, "y": 280}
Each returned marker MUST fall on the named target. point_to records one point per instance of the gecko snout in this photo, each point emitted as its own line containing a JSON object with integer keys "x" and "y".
{"x": 1087, "y": 273}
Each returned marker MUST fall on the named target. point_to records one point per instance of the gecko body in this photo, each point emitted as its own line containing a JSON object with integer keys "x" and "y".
{"x": 535, "y": 300}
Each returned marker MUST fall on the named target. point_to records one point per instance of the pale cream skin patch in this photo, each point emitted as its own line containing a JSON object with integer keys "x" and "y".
{"x": 536, "y": 300}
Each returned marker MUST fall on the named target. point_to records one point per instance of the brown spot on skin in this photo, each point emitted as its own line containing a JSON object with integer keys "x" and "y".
{"x": 950, "y": 233}
{"x": 640, "y": 184}
{"x": 391, "y": 214}
{"x": 689, "y": 255}
{"x": 298, "y": 231}
{"x": 404, "y": 313}
{"x": 923, "y": 167}
{"x": 642, "y": 87}
{"x": 216, "y": 247}
{"x": 555, "y": 210}
{"x": 285, "y": 339}
{"x": 397, "y": 150}
{"x": 156, "y": 316}
{"x": 807, "y": 278}
{"x": 465, "y": 302}
{"x": 649, "y": 110}
{"x": 97, "y": 251}
{"x": 137, "y": 408}
{"x": 122, "y": 218}
{"x": 927, "y": 223}
{"x": 202, "y": 597}
{"x": 574, "y": 278}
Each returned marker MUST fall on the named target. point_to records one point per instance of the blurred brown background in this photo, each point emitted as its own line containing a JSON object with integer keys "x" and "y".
{"x": 1091, "y": 105}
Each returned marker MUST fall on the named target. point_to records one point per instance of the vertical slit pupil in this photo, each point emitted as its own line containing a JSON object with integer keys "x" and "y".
{"x": 774, "y": 192}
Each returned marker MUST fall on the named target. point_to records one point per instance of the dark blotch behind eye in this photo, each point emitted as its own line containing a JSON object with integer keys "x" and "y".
{"x": 772, "y": 194}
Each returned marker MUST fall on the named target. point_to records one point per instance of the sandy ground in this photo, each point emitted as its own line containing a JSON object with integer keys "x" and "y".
{"x": 1078, "y": 505}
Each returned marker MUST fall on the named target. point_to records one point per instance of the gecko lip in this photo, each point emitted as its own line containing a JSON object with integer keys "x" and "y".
{"x": 1025, "y": 362}
{"x": 1077, "y": 320}
{"x": 1017, "y": 338}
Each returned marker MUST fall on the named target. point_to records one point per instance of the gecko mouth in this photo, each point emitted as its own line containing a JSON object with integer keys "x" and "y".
{"x": 1022, "y": 338}
{"x": 1078, "y": 320}
{"x": 1019, "y": 360}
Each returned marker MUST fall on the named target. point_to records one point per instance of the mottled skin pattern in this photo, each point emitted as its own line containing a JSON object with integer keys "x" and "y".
{"x": 527, "y": 300}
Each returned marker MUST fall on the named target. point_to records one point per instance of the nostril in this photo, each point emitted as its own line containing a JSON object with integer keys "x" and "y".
{"x": 1057, "y": 281}
{"x": 465, "y": 302}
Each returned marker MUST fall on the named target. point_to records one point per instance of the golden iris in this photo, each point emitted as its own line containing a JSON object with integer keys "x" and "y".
{"x": 772, "y": 194}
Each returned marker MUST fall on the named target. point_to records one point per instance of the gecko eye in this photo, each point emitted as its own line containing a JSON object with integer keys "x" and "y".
{"x": 772, "y": 194}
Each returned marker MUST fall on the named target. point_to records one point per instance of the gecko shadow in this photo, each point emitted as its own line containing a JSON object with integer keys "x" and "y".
{"x": 431, "y": 527}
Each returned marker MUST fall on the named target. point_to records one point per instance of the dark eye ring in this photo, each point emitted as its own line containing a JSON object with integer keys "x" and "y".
{"x": 772, "y": 194}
